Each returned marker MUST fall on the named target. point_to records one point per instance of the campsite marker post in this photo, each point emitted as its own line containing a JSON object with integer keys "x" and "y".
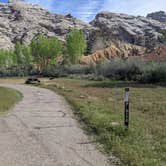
{"x": 126, "y": 112}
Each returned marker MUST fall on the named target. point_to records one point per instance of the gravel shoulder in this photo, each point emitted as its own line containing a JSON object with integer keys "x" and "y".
{"x": 40, "y": 131}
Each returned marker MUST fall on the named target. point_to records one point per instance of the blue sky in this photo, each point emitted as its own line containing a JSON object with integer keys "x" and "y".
{"x": 87, "y": 9}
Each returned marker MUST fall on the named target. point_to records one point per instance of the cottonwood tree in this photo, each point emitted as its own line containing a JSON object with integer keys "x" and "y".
{"x": 45, "y": 51}
{"x": 7, "y": 58}
{"x": 164, "y": 35}
{"x": 3, "y": 58}
{"x": 76, "y": 45}
{"x": 22, "y": 55}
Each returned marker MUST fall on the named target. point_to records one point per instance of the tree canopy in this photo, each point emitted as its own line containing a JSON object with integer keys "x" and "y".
{"x": 76, "y": 45}
{"x": 45, "y": 51}
{"x": 22, "y": 55}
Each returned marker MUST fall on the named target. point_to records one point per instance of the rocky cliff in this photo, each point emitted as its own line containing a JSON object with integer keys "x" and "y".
{"x": 20, "y": 21}
{"x": 159, "y": 16}
{"x": 138, "y": 30}
{"x": 122, "y": 50}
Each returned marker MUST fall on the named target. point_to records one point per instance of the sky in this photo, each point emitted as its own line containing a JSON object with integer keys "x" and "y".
{"x": 87, "y": 9}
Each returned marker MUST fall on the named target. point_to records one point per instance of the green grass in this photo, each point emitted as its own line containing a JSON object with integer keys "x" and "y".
{"x": 99, "y": 105}
{"x": 8, "y": 97}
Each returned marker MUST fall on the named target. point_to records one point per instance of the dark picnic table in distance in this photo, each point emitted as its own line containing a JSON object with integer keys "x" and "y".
{"x": 32, "y": 80}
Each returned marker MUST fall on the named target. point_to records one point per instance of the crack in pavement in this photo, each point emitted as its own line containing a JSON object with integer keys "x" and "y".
{"x": 47, "y": 127}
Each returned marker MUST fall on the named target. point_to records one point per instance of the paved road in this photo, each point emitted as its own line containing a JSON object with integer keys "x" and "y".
{"x": 40, "y": 131}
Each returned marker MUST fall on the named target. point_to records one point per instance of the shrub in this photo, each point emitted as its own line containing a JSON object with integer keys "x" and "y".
{"x": 120, "y": 69}
{"x": 14, "y": 71}
{"x": 92, "y": 77}
{"x": 80, "y": 69}
{"x": 133, "y": 70}
{"x": 54, "y": 71}
{"x": 154, "y": 73}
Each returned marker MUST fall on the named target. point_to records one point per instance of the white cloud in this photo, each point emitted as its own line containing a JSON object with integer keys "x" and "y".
{"x": 83, "y": 9}
{"x": 135, "y": 7}
{"x": 87, "y": 9}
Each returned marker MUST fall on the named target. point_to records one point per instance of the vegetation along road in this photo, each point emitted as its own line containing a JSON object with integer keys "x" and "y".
{"x": 99, "y": 105}
{"x": 8, "y": 97}
{"x": 40, "y": 131}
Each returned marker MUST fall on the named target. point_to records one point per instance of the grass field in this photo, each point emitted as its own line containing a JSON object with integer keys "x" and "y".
{"x": 99, "y": 105}
{"x": 8, "y": 97}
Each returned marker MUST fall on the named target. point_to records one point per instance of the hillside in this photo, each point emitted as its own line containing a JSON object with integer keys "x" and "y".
{"x": 20, "y": 21}
{"x": 138, "y": 30}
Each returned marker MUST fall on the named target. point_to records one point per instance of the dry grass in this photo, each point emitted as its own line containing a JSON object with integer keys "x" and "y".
{"x": 144, "y": 144}
{"x": 99, "y": 105}
{"x": 13, "y": 80}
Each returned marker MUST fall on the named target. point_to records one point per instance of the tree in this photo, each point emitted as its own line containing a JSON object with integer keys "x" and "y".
{"x": 22, "y": 55}
{"x": 10, "y": 58}
{"x": 26, "y": 51}
{"x": 76, "y": 45}
{"x": 164, "y": 35}
{"x": 45, "y": 51}
{"x": 6, "y": 58}
{"x": 3, "y": 58}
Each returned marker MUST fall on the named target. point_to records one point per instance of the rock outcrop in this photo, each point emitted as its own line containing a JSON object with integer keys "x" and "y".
{"x": 159, "y": 16}
{"x": 158, "y": 54}
{"x": 114, "y": 51}
{"x": 112, "y": 34}
{"x": 20, "y": 21}
{"x": 138, "y": 30}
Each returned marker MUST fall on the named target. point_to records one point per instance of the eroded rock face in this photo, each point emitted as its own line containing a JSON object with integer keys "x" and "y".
{"x": 159, "y": 16}
{"x": 20, "y": 21}
{"x": 114, "y": 51}
{"x": 130, "y": 29}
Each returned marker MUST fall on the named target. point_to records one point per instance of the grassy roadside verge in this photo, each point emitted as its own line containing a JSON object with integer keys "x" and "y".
{"x": 101, "y": 110}
{"x": 8, "y": 97}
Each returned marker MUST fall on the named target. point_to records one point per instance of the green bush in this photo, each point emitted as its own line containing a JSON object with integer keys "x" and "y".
{"x": 14, "y": 71}
{"x": 80, "y": 69}
{"x": 119, "y": 69}
{"x": 92, "y": 77}
{"x": 133, "y": 70}
{"x": 154, "y": 73}
{"x": 54, "y": 71}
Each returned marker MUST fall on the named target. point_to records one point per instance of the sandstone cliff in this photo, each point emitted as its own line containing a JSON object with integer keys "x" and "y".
{"x": 20, "y": 21}
{"x": 121, "y": 50}
{"x": 138, "y": 30}
{"x": 159, "y": 16}
{"x": 108, "y": 35}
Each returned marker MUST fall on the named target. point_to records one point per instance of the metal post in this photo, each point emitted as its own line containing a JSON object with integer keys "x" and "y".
{"x": 126, "y": 102}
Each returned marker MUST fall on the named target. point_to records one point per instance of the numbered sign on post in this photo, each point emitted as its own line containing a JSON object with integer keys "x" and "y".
{"x": 126, "y": 102}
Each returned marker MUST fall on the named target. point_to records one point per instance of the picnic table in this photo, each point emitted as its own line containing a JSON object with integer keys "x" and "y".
{"x": 32, "y": 79}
